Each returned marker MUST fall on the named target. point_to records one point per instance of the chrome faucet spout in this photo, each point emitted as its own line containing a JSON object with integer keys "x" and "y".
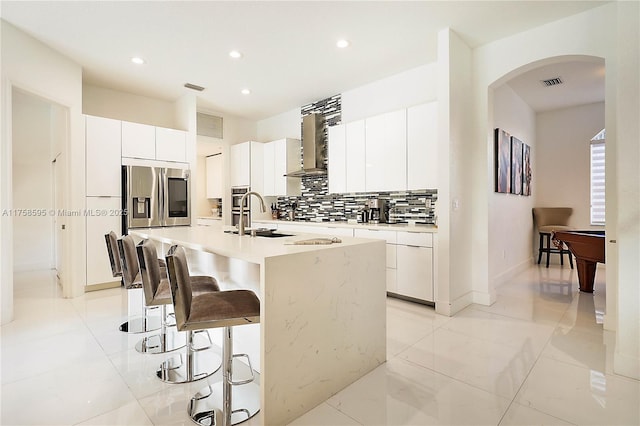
{"x": 263, "y": 209}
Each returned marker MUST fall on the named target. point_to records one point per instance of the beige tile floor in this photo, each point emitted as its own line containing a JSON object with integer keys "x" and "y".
{"x": 538, "y": 355}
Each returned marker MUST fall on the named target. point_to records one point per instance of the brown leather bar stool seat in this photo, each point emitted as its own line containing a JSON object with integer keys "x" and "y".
{"x": 227, "y": 402}
{"x": 157, "y": 292}
{"x": 548, "y": 220}
{"x": 190, "y": 366}
{"x": 128, "y": 271}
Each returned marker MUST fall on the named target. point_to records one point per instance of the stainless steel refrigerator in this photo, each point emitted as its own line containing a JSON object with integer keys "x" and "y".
{"x": 155, "y": 196}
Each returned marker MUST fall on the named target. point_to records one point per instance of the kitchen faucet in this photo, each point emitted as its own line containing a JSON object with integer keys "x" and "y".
{"x": 242, "y": 200}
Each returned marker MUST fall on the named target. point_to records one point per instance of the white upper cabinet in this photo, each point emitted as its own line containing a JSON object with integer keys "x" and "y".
{"x": 138, "y": 140}
{"x": 337, "y": 159}
{"x": 214, "y": 169}
{"x": 355, "y": 156}
{"x": 171, "y": 145}
{"x": 240, "y": 163}
{"x": 422, "y": 146}
{"x": 386, "y": 151}
{"x": 269, "y": 169}
{"x": 103, "y": 157}
{"x": 281, "y": 157}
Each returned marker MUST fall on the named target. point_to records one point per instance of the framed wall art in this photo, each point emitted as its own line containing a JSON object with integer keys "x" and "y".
{"x": 502, "y": 161}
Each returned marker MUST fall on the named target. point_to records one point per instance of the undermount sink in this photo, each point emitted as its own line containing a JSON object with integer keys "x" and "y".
{"x": 272, "y": 234}
{"x": 262, "y": 232}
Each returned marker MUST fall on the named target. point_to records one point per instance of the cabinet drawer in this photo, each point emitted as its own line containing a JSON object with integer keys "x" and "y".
{"x": 420, "y": 239}
{"x": 388, "y": 236}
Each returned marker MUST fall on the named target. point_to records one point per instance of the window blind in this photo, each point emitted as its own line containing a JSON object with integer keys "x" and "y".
{"x": 597, "y": 183}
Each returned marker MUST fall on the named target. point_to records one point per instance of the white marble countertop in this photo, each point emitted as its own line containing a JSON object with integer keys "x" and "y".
{"x": 213, "y": 239}
{"x": 380, "y": 226}
{"x": 210, "y": 217}
{"x": 322, "y": 309}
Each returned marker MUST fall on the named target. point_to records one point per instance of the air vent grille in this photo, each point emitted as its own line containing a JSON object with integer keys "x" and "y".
{"x": 209, "y": 125}
{"x": 552, "y": 81}
{"x": 194, "y": 87}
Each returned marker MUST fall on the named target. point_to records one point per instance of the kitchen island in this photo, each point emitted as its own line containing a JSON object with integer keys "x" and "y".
{"x": 322, "y": 308}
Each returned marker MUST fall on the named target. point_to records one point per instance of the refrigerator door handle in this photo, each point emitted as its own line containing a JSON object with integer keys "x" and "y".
{"x": 161, "y": 197}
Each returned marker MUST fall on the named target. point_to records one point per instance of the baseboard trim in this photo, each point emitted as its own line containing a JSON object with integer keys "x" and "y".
{"x": 102, "y": 286}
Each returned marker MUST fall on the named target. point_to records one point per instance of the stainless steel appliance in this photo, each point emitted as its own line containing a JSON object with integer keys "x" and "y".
{"x": 237, "y": 192}
{"x": 377, "y": 211}
{"x": 155, "y": 196}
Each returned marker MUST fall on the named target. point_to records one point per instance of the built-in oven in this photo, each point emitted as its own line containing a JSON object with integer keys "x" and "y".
{"x": 237, "y": 192}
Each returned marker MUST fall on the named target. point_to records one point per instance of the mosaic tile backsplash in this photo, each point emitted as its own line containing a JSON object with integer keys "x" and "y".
{"x": 315, "y": 204}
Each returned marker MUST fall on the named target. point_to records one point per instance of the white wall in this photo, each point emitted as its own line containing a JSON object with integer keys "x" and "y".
{"x": 609, "y": 32}
{"x": 35, "y": 68}
{"x": 412, "y": 87}
{"x": 561, "y": 159}
{"x": 32, "y": 183}
{"x": 124, "y": 106}
{"x": 285, "y": 125}
{"x": 510, "y": 219}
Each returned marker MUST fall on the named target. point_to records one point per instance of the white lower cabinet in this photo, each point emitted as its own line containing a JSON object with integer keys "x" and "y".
{"x": 414, "y": 265}
{"x": 414, "y": 272}
{"x": 102, "y": 217}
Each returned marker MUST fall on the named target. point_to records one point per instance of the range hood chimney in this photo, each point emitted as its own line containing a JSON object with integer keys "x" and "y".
{"x": 312, "y": 147}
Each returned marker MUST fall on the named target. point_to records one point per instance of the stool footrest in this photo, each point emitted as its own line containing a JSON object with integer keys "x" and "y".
{"x": 253, "y": 376}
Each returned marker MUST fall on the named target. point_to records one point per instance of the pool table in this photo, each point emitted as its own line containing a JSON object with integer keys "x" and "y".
{"x": 588, "y": 248}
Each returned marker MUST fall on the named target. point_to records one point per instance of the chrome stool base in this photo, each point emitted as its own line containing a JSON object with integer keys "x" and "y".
{"x": 141, "y": 325}
{"x": 190, "y": 366}
{"x": 206, "y": 407}
{"x": 162, "y": 343}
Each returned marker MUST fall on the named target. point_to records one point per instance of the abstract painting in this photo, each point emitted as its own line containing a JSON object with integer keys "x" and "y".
{"x": 516, "y": 165}
{"x": 502, "y": 161}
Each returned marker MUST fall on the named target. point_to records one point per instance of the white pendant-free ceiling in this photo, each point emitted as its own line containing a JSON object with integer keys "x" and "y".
{"x": 288, "y": 50}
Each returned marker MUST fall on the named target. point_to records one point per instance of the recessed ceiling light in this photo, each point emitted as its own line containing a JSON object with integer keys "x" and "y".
{"x": 235, "y": 54}
{"x": 245, "y": 91}
{"x": 342, "y": 43}
{"x": 137, "y": 60}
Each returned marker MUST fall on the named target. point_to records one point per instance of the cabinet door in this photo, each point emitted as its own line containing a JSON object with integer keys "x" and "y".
{"x": 215, "y": 184}
{"x": 102, "y": 219}
{"x": 386, "y": 151}
{"x": 138, "y": 140}
{"x": 171, "y": 145}
{"x": 355, "y": 153}
{"x": 422, "y": 146}
{"x": 337, "y": 159}
{"x": 415, "y": 272}
{"x": 240, "y": 162}
{"x": 103, "y": 156}
{"x": 256, "y": 171}
{"x": 279, "y": 167}
{"x": 269, "y": 169}
{"x": 392, "y": 282}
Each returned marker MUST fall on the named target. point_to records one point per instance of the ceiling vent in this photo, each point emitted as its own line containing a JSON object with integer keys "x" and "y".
{"x": 209, "y": 125}
{"x": 552, "y": 81}
{"x": 194, "y": 87}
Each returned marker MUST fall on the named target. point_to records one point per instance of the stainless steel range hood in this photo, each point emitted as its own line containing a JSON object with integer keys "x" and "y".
{"x": 312, "y": 147}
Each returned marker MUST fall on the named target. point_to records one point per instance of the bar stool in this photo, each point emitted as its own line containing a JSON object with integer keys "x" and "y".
{"x": 191, "y": 367}
{"x": 548, "y": 220}
{"x": 129, "y": 273}
{"x": 155, "y": 286}
{"x": 157, "y": 293}
{"x": 228, "y": 402}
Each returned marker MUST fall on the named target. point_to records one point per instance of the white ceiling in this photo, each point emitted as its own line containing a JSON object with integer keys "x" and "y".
{"x": 290, "y": 58}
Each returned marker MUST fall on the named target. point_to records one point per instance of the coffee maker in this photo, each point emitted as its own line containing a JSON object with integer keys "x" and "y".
{"x": 377, "y": 211}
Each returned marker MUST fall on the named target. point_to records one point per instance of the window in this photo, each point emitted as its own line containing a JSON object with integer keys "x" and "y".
{"x": 597, "y": 179}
